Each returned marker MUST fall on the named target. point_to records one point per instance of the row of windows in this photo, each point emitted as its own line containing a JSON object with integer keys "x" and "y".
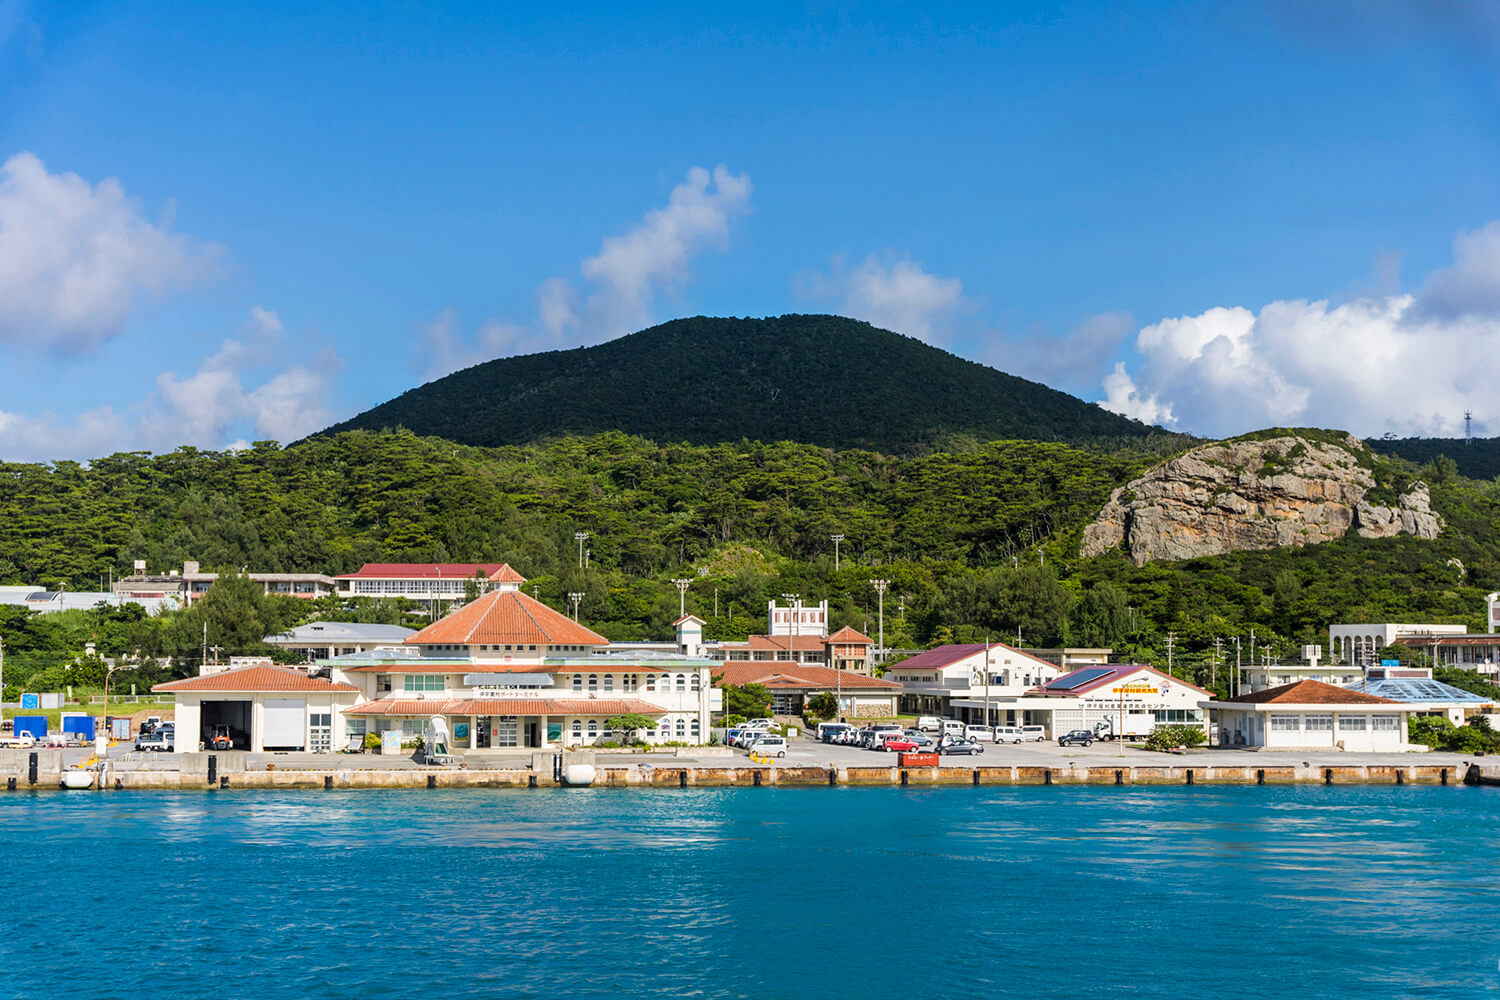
{"x": 630, "y": 682}
{"x": 1282, "y": 722}
{"x": 1178, "y": 715}
{"x": 666, "y": 729}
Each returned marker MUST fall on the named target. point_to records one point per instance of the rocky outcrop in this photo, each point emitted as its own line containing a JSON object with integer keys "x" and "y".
{"x": 1254, "y": 495}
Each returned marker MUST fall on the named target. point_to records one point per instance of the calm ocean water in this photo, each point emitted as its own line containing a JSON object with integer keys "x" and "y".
{"x": 1197, "y": 892}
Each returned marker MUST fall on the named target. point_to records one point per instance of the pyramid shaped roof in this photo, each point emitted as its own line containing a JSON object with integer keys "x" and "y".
{"x": 507, "y": 617}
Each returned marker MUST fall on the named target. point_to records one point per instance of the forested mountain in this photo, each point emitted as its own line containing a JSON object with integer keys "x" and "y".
{"x": 1476, "y": 459}
{"x": 823, "y": 380}
{"x": 979, "y": 542}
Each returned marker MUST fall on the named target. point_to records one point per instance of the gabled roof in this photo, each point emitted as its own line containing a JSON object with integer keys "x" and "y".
{"x": 945, "y": 656}
{"x": 1308, "y": 692}
{"x": 689, "y": 618}
{"x": 252, "y": 680}
{"x": 494, "y": 572}
{"x": 786, "y": 674}
{"x": 1097, "y": 675}
{"x": 812, "y": 643}
{"x": 507, "y": 617}
{"x": 849, "y": 637}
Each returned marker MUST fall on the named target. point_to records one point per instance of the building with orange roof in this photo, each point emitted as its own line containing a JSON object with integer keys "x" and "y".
{"x": 424, "y": 581}
{"x": 1312, "y": 715}
{"x": 262, "y": 707}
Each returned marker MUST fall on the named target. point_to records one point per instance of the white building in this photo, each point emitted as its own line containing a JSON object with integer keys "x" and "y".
{"x": 1311, "y": 715}
{"x": 425, "y": 581}
{"x": 1261, "y": 676}
{"x": 504, "y": 671}
{"x": 1105, "y": 693}
{"x": 950, "y": 681}
{"x": 1361, "y": 644}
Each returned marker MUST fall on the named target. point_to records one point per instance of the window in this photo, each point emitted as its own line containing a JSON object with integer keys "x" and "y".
{"x": 422, "y": 682}
{"x": 577, "y": 682}
{"x": 1385, "y": 723}
{"x": 593, "y": 683}
{"x": 577, "y": 729}
{"x": 1353, "y": 723}
{"x": 681, "y": 729}
{"x": 697, "y": 683}
{"x": 609, "y": 682}
{"x": 696, "y": 729}
{"x": 1318, "y": 723}
{"x": 1283, "y": 723}
{"x": 593, "y": 727}
{"x": 650, "y": 682}
{"x": 629, "y": 682}
{"x": 682, "y": 682}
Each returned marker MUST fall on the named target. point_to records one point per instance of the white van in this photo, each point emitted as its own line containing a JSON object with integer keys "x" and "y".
{"x": 984, "y": 734}
{"x": 1033, "y": 734}
{"x": 1020, "y": 734}
{"x": 930, "y": 724}
{"x": 828, "y": 728}
{"x": 952, "y": 727}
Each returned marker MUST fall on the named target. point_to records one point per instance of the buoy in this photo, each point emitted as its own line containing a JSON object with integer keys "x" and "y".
{"x": 578, "y": 775}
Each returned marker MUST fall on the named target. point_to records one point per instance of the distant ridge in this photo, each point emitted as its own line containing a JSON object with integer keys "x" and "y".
{"x": 823, "y": 380}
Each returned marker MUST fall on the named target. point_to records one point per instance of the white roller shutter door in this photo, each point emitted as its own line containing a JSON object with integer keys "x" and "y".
{"x": 285, "y": 723}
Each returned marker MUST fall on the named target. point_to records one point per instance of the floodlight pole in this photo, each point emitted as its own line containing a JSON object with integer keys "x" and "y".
{"x": 880, "y": 586}
{"x": 576, "y": 597}
{"x": 580, "y": 537}
{"x": 792, "y": 605}
{"x": 836, "y": 540}
{"x": 682, "y": 587}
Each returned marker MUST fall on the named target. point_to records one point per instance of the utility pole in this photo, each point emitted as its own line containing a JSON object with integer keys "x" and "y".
{"x": 580, "y": 537}
{"x": 1213, "y": 669}
{"x": 577, "y": 598}
{"x": 716, "y": 602}
{"x": 682, "y": 587}
{"x": 792, "y": 604}
{"x": 880, "y": 586}
{"x": 904, "y": 599}
{"x": 1171, "y": 638}
{"x": 1237, "y": 674}
{"x": 203, "y": 660}
{"x": 836, "y": 540}
{"x": 987, "y": 682}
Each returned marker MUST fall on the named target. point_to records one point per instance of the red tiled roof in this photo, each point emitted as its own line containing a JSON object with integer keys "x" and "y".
{"x": 506, "y": 706}
{"x": 791, "y": 675}
{"x": 1308, "y": 692}
{"x": 498, "y": 572}
{"x": 253, "y": 680}
{"x": 808, "y": 642}
{"x": 690, "y": 618}
{"x": 507, "y": 617}
{"x": 1424, "y": 641}
{"x": 848, "y": 636}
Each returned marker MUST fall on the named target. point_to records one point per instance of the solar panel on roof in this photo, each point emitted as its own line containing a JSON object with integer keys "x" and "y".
{"x": 1079, "y": 679}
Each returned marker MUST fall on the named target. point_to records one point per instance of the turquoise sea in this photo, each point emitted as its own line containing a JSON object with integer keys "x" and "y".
{"x": 1037, "y": 892}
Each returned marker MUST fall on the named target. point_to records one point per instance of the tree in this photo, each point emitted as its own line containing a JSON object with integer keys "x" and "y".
{"x": 822, "y": 706}
{"x": 628, "y": 725}
{"x": 752, "y": 701}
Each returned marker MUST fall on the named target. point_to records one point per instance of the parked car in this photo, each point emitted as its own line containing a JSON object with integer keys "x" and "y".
{"x": 930, "y": 724}
{"x": 770, "y": 746}
{"x": 920, "y": 738}
{"x": 17, "y": 741}
{"x": 828, "y": 730}
{"x": 1033, "y": 734}
{"x": 1078, "y": 737}
{"x": 157, "y": 741}
{"x": 952, "y": 727}
{"x": 897, "y": 742}
{"x": 984, "y": 734}
{"x": 959, "y": 745}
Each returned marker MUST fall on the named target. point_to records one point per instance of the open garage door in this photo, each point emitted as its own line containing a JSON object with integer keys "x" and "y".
{"x": 285, "y": 724}
{"x": 232, "y": 717}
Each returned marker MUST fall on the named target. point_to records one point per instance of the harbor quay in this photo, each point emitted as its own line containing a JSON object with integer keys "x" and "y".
{"x": 225, "y": 770}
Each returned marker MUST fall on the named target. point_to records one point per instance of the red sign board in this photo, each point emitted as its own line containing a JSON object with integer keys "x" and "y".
{"x": 919, "y": 760}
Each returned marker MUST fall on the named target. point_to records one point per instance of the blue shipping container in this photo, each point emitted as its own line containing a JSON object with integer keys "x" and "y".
{"x": 36, "y": 725}
{"x": 83, "y": 725}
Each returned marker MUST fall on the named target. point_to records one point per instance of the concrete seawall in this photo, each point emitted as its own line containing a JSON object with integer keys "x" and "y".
{"x": 229, "y": 773}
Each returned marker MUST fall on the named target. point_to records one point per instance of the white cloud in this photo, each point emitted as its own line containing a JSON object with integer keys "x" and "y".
{"x": 893, "y": 294}
{"x": 1405, "y": 364}
{"x": 240, "y": 388}
{"x": 75, "y": 258}
{"x": 1074, "y": 361}
{"x": 623, "y": 280}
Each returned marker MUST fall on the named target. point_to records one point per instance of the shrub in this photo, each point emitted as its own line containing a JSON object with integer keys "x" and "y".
{"x": 1172, "y": 737}
{"x": 822, "y": 706}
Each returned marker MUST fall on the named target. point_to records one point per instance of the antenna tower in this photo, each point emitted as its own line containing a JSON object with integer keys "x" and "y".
{"x": 1468, "y": 427}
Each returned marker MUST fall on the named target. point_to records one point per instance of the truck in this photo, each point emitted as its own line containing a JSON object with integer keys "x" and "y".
{"x": 1133, "y": 726}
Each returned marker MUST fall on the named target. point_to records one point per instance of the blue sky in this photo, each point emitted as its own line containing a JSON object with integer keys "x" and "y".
{"x": 219, "y": 225}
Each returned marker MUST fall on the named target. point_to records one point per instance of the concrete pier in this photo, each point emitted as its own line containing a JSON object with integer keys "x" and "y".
{"x": 228, "y": 771}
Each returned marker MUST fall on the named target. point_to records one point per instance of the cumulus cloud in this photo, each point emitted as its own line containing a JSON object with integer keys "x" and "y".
{"x": 1074, "y": 361}
{"x": 621, "y": 282}
{"x": 1404, "y": 364}
{"x": 892, "y": 293}
{"x": 240, "y": 388}
{"x": 75, "y": 258}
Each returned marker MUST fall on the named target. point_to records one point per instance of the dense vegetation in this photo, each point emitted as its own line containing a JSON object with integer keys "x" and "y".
{"x": 1477, "y": 459}
{"x": 824, "y": 380}
{"x": 975, "y": 543}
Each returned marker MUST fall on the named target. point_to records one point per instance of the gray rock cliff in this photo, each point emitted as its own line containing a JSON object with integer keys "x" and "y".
{"x": 1253, "y": 495}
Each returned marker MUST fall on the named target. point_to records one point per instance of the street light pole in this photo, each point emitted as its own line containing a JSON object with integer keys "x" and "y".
{"x": 576, "y": 597}
{"x": 880, "y": 586}
{"x": 791, "y": 604}
{"x": 580, "y": 537}
{"x": 836, "y": 540}
{"x": 682, "y": 586}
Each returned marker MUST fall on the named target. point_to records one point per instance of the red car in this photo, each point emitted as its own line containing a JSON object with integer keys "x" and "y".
{"x": 898, "y": 742}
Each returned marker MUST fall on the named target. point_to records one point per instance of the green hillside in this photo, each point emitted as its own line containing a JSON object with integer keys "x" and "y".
{"x": 823, "y": 380}
{"x": 1476, "y": 459}
{"x": 978, "y": 542}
